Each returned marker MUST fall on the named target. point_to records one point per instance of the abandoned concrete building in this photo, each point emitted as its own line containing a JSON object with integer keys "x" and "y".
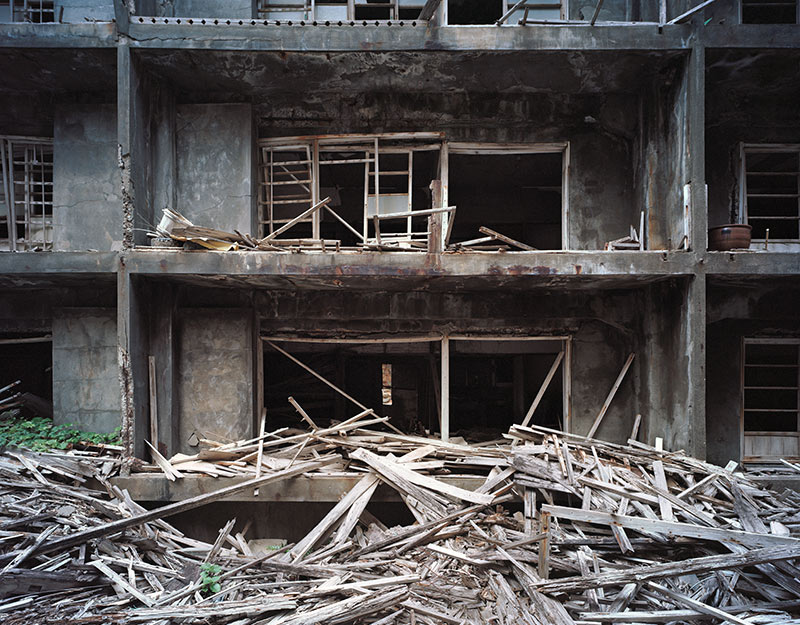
{"x": 493, "y": 208}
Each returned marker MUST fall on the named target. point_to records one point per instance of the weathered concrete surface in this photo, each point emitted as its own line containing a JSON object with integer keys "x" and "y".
{"x": 239, "y": 9}
{"x": 21, "y": 35}
{"x": 85, "y": 372}
{"x": 86, "y": 195}
{"x": 215, "y": 374}
{"x": 80, "y": 11}
{"x": 215, "y": 156}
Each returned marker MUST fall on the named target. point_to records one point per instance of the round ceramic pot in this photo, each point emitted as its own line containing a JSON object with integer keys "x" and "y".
{"x": 729, "y": 237}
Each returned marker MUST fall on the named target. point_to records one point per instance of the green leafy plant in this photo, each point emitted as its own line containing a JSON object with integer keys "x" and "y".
{"x": 209, "y": 578}
{"x": 41, "y": 434}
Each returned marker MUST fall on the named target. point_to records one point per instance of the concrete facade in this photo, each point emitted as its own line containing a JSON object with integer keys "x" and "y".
{"x": 157, "y": 110}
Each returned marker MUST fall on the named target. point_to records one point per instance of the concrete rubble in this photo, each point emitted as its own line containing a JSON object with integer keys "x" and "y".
{"x": 606, "y": 533}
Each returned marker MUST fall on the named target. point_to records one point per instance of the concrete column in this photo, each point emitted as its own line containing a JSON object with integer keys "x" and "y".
{"x": 695, "y": 339}
{"x": 697, "y": 154}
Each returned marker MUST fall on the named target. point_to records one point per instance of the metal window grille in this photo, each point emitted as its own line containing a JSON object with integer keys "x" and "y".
{"x": 27, "y": 193}
{"x": 33, "y": 11}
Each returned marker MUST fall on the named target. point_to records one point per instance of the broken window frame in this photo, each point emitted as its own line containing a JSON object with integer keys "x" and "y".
{"x": 315, "y": 10}
{"x": 744, "y": 434}
{"x": 394, "y": 143}
{"x": 444, "y": 363}
{"x": 370, "y": 145}
{"x": 744, "y": 3}
{"x": 21, "y": 196}
{"x": 766, "y": 148}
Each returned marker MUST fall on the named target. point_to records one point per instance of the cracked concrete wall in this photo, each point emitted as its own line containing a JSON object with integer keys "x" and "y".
{"x": 86, "y": 193}
{"x": 214, "y": 147}
{"x": 85, "y": 372}
{"x": 215, "y": 375}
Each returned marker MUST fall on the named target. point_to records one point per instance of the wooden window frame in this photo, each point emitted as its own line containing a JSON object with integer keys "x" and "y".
{"x": 764, "y": 148}
{"x": 745, "y": 341}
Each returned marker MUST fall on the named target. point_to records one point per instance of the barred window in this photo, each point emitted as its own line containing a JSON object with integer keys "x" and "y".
{"x": 26, "y": 193}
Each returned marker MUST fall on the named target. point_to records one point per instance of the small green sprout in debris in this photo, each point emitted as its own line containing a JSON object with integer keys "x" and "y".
{"x": 209, "y": 579}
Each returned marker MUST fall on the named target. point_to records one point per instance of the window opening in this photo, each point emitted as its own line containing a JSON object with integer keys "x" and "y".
{"x": 770, "y": 398}
{"x": 339, "y": 10}
{"x": 466, "y": 12}
{"x": 771, "y": 191}
{"x": 770, "y": 11}
{"x": 516, "y": 194}
{"x": 494, "y": 383}
{"x": 27, "y": 193}
{"x": 395, "y": 377}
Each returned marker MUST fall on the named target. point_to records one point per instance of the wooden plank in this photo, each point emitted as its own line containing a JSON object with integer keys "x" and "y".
{"x": 260, "y": 455}
{"x": 661, "y": 482}
{"x": 670, "y": 529}
{"x": 151, "y": 371}
{"x": 122, "y": 583}
{"x": 444, "y": 386}
{"x": 596, "y": 12}
{"x": 295, "y": 221}
{"x": 429, "y": 9}
{"x": 611, "y": 393}
{"x": 505, "y": 239}
{"x": 685, "y": 16}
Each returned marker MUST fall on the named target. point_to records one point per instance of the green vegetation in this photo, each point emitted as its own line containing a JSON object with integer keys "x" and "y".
{"x": 209, "y": 579}
{"x": 41, "y": 434}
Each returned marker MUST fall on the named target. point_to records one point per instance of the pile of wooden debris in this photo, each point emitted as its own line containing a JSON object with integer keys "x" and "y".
{"x": 620, "y": 534}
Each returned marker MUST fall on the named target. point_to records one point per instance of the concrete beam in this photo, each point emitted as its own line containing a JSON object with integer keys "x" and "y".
{"x": 255, "y": 35}
{"x": 90, "y": 35}
{"x": 48, "y": 263}
{"x": 760, "y": 264}
{"x": 155, "y": 487}
{"x": 400, "y": 264}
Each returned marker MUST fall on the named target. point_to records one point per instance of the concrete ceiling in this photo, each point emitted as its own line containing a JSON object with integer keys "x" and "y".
{"x": 434, "y": 284}
{"x": 259, "y": 75}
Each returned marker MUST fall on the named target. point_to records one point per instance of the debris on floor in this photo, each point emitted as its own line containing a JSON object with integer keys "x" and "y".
{"x": 607, "y": 533}
{"x": 174, "y": 229}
